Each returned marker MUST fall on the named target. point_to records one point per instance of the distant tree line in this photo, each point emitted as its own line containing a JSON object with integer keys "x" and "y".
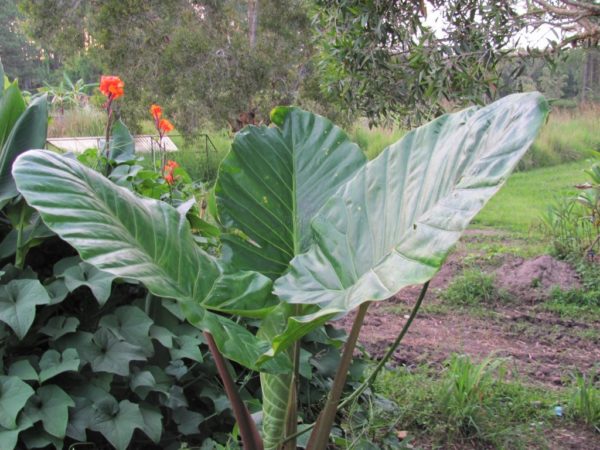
{"x": 226, "y": 61}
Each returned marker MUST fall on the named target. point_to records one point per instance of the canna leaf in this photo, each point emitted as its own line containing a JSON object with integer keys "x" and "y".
{"x": 28, "y": 132}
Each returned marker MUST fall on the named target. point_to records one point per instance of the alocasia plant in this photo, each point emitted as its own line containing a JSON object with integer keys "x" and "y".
{"x": 306, "y": 209}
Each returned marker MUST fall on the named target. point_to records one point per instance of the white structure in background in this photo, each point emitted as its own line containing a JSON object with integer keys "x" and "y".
{"x": 144, "y": 143}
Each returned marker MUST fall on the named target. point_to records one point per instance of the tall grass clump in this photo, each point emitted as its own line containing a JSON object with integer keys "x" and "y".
{"x": 471, "y": 288}
{"x": 77, "y": 122}
{"x": 569, "y": 135}
{"x": 372, "y": 141}
{"x": 584, "y": 405}
{"x": 469, "y": 404}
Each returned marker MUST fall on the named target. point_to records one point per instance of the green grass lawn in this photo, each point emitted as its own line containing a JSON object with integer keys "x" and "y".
{"x": 525, "y": 196}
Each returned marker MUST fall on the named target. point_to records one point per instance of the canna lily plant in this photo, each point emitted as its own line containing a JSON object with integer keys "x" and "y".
{"x": 314, "y": 231}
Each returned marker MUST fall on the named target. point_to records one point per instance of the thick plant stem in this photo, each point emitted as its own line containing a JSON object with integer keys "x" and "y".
{"x": 291, "y": 419}
{"x": 390, "y": 352}
{"x": 320, "y": 435}
{"x": 250, "y": 437}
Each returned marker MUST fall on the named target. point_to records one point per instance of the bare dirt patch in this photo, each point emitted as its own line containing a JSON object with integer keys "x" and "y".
{"x": 543, "y": 347}
{"x": 532, "y": 280}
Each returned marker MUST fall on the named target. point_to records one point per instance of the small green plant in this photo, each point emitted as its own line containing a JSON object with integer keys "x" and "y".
{"x": 568, "y": 229}
{"x": 465, "y": 392}
{"x": 583, "y": 301}
{"x": 577, "y": 297}
{"x": 473, "y": 287}
{"x": 584, "y": 404}
{"x": 573, "y": 223}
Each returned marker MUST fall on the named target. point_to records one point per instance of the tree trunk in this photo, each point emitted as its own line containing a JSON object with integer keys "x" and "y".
{"x": 252, "y": 22}
{"x": 590, "y": 76}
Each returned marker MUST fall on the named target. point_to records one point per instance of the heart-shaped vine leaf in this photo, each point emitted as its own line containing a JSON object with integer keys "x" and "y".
{"x": 14, "y": 393}
{"x": 50, "y": 404}
{"x": 9, "y": 437}
{"x": 85, "y": 274}
{"x": 117, "y": 422}
{"x": 23, "y": 370}
{"x": 53, "y": 363}
{"x": 107, "y": 353}
{"x": 18, "y": 300}
{"x": 58, "y": 326}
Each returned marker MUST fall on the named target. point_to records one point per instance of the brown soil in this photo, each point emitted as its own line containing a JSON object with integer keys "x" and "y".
{"x": 539, "y": 345}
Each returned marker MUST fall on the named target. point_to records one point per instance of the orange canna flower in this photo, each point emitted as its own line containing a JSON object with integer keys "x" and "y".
{"x": 170, "y": 166}
{"x": 111, "y": 86}
{"x": 156, "y": 112}
{"x": 169, "y": 178}
{"x": 164, "y": 126}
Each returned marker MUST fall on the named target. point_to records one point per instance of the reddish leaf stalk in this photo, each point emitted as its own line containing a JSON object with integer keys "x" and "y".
{"x": 320, "y": 435}
{"x": 248, "y": 431}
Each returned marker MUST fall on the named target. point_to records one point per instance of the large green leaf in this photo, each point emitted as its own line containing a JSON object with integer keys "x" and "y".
{"x": 28, "y": 132}
{"x": 394, "y": 223}
{"x": 146, "y": 240}
{"x": 270, "y": 185}
{"x": 274, "y": 180}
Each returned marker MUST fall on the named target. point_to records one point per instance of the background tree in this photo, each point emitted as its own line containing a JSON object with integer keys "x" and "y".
{"x": 20, "y": 57}
{"x": 387, "y": 58}
{"x": 211, "y": 59}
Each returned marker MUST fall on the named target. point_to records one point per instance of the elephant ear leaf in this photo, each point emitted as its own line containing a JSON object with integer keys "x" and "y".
{"x": 146, "y": 240}
{"x": 395, "y": 222}
{"x": 273, "y": 182}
